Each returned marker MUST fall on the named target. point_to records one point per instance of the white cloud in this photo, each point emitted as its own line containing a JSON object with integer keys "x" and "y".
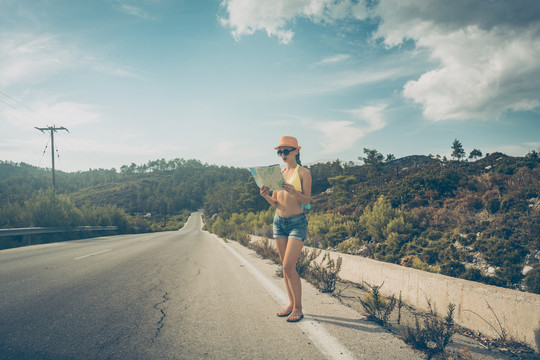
{"x": 106, "y": 67}
{"x": 135, "y": 11}
{"x": 512, "y": 150}
{"x": 342, "y": 135}
{"x": 372, "y": 116}
{"x": 334, "y": 59}
{"x": 533, "y": 145}
{"x": 338, "y": 135}
{"x": 245, "y": 17}
{"x": 68, "y": 113}
{"x": 489, "y": 62}
{"x": 29, "y": 58}
{"x": 51, "y": 112}
{"x": 347, "y": 79}
{"x": 486, "y": 54}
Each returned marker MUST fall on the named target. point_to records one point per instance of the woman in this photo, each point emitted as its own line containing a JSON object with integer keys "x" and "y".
{"x": 290, "y": 223}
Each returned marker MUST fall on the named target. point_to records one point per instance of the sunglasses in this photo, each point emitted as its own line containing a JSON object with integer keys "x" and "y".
{"x": 285, "y": 152}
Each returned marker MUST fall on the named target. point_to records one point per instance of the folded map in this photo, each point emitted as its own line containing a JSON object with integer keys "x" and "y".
{"x": 270, "y": 176}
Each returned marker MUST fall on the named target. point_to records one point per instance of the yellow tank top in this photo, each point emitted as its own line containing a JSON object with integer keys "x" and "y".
{"x": 295, "y": 180}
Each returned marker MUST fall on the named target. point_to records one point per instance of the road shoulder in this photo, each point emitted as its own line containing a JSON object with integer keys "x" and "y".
{"x": 362, "y": 339}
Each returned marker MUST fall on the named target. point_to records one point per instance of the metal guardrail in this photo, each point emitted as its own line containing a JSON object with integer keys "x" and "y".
{"x": 49, "y": 230}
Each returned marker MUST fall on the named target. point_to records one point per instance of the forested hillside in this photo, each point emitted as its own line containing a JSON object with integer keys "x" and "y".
{"x": 478, "y": 220}
{"x": 155, "y": 196}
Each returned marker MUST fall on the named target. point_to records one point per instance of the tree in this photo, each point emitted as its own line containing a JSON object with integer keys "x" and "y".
{"x": 458, "y": 151}
{"x": 321, "y": 172}
{"x": 389, "y": 159}
{"x": 376, "y": 218}
{"x": 475, "y": 154}
{"x": 373, "y": 161}
{"x": 342, "y": 189}
{"x": 531, "y": 159}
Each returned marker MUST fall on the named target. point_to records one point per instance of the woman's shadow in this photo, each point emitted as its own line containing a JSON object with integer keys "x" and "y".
{"x": 354, "y": 324}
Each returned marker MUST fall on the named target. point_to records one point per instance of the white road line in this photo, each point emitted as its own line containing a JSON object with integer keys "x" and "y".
{"x": 325, "y": 342}
{"x": 96, "y": 253}
{"x": 31, "y": 247}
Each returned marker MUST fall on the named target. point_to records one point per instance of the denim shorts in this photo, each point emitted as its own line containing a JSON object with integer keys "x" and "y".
{"x": 290, "y": 227}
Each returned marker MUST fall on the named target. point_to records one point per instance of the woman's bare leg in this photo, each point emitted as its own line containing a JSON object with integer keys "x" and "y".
{"x": 292, "y": 252}
{"x": 281, "y": 244}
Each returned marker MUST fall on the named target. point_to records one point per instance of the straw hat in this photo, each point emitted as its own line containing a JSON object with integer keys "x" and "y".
{"x": 289, "y": 141}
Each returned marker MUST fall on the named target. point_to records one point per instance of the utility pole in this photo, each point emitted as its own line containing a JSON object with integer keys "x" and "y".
{"x": 52, "y": 129}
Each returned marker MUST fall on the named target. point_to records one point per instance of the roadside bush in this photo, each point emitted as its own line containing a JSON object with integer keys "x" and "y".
{"x": 377, "y": 307}
{"x": 325, "y": 276}
{"x": 435, "y": 334}
{"x": 265, "y": 249}
{"x": 304, "y": 262}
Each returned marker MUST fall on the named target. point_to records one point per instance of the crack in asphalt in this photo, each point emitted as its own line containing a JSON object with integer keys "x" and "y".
{"x": 159, "y": 306}
{"x": 161, "y": 321}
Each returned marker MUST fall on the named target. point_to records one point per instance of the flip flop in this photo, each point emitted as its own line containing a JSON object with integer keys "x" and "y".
{"x": 298, "y": 318}
{"x": 284, "y": 313}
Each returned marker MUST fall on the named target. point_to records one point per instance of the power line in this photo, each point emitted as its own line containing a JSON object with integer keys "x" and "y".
{"x": 24, "y": 113}
{"x": 43, "y": 154}
{"x": 52, "y": 129}
{"x": 18, "y": 102}
{"x": 20, "y": 108}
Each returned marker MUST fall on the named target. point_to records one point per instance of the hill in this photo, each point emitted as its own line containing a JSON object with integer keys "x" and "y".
{"x": 478, "y": 220}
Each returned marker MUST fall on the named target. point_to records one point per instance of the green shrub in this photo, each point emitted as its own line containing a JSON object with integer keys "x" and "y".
{"x": 472, "y": 274}
{"x": 324, "y": 275}
{"x": 452, "y": 268}
{"x": 434, "y": 335}
{"x": 350, "y": 246}
{"x": 429, "y": 255}
{"x": 266, "y": 250}
{"x": 377, "y": 307}
{"x": 306, "y": 258}
{"x": 377, "y": 217}
{"x": 510, "y": 274}
{"x": 532, "y": 280}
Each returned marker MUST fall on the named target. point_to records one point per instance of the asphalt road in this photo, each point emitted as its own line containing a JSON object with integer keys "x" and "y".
{"x": 174, "y": 295}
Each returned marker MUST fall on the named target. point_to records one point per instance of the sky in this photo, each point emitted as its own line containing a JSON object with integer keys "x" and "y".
{"x": 222, "y": 81}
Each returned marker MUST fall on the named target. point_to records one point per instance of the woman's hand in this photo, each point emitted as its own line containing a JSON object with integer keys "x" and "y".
{"x": 288, "y": 188}
{"x": 265, "y": 191}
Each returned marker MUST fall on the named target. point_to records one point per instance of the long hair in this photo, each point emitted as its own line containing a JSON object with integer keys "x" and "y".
{"x": 298, "y": 158}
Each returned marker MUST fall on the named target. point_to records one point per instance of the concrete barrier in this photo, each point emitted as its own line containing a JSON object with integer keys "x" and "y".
{"x": 479, "y": 307}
